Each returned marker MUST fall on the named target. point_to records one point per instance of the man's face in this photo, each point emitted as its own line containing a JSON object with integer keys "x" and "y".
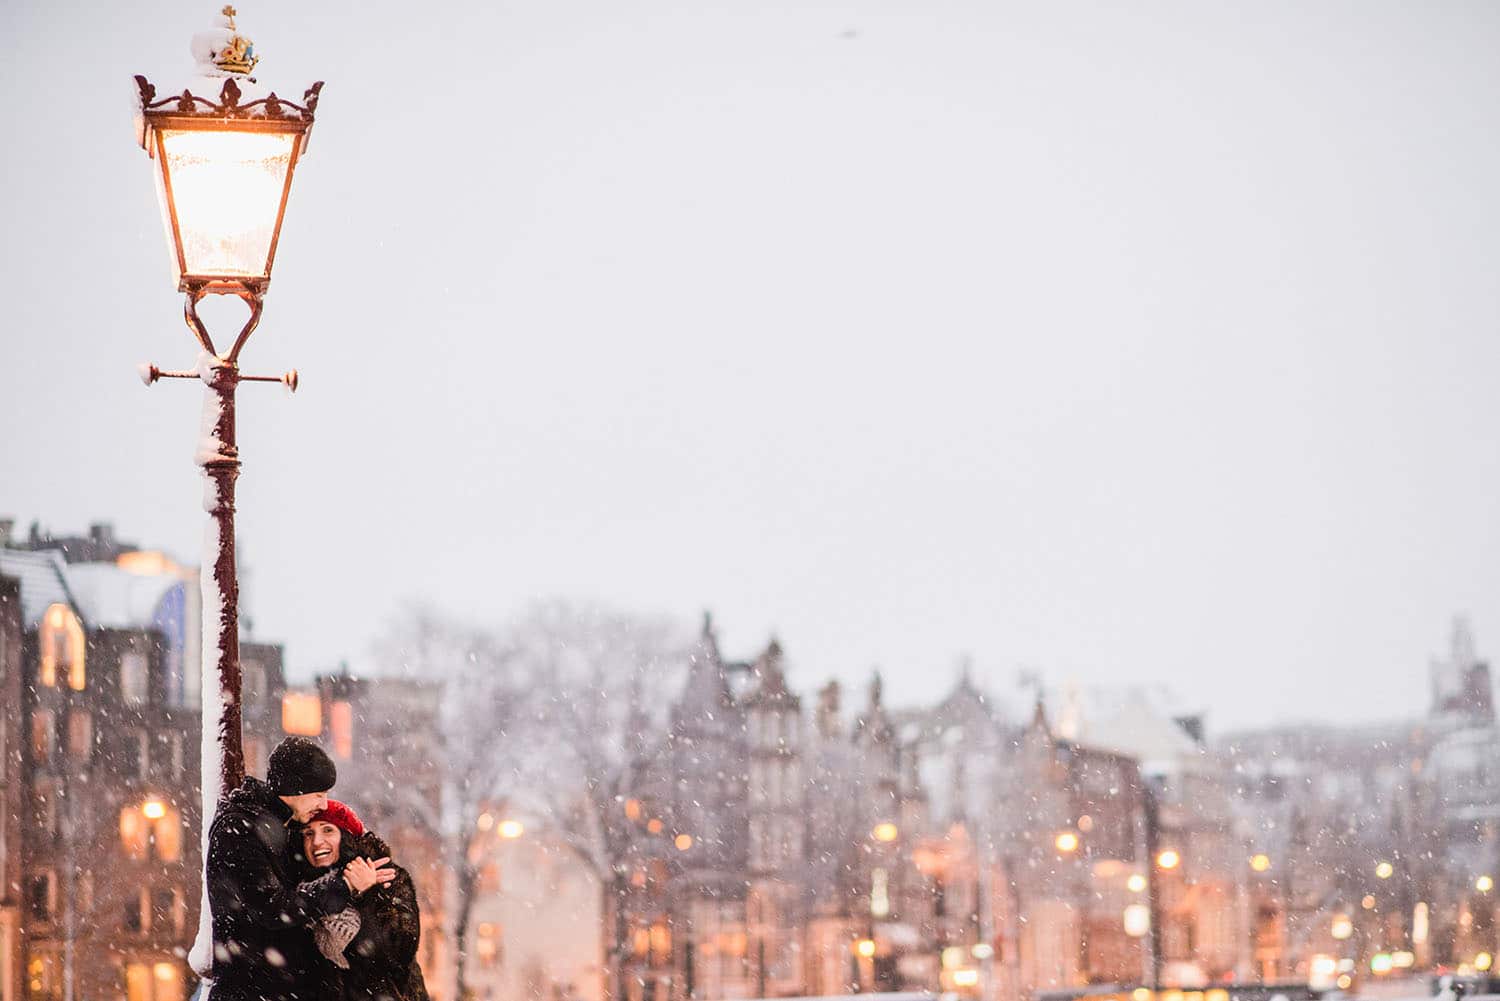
{"x": 305, "y": 805}
{"x": 320, "y": 843}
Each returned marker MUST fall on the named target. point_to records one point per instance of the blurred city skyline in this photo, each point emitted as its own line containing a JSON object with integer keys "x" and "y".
{"x": 1072, "y": 340}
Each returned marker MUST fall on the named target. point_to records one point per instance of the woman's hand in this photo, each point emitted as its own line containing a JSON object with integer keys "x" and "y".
{"x": 361, "y": 874}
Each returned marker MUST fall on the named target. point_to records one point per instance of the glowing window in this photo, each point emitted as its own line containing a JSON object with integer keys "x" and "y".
{"x": 62, "y": 644}
{"x": 168, "y": 831}
{"x": 135, "y": 832}
{"x": 341, "y": 729}
{"x": 302, "y": 714}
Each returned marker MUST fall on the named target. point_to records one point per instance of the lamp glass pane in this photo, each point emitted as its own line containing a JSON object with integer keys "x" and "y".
{"x": 226, "y": 187}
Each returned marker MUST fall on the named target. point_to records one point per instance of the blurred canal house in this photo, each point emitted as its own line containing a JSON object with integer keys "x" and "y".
{"x": 1457, "y": 782}
{"x": 1202, "y": 866}
{"x": 764, "y": 855}
{"x": 12, "y": 793}
{"x": 1072, "y": 837}
{"x": 107, "y": 855}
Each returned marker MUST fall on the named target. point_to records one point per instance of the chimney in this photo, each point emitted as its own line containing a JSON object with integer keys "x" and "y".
{"x": 102, "y": 533}
{"x": 7, "y": 531}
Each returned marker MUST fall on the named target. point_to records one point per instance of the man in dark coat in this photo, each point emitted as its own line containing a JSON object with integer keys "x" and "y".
{"x": 262, "y": 917}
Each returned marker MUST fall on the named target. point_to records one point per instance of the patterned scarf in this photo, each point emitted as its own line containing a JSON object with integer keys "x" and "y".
{"x": 333, "y": 934}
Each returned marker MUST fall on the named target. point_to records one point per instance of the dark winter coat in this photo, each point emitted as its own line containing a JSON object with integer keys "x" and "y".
{"x": 262, "y": 915}
{"x": 383, "y": 956}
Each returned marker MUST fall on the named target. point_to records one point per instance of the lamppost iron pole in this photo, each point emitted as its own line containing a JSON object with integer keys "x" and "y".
{"x": 221, "y": 587}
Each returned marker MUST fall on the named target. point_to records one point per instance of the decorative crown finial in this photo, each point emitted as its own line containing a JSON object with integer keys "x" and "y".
{"x": 237, "y": 54}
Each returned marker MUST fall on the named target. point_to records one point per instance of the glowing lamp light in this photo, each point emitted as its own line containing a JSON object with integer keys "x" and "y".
{"x": 1137, "y": 920}
{"x": 865, "y": 947}
{"x": 1483, "y": 962}
{"x": 511, "y": 829}
{"x": 886, "y": 832}
{"x": 154, "y": 809}
{"x": 165, "y": 971}
{"x": 965, "y": 978}
{"x": 982, "y": 950}
{"x": 1141, "y": 994}
{"x": 683, "y": 842}
{"x": 1380, "y": 963}
{"x": 953, "y": 957}
{"x": 1260, "y": 862}
{"x": 1484, "y": 884}
{"x": 1384, "y": 870}
{"x": 1344, "y": 981}
{"x": 1066, "y": 842}
{"x": 1324, "y": 966}
{"x": 486, "y": 821}
{"x": 1368, "y": 903}
{"x": 1136, "y": 883}
{"x": 1403, "y": 960}
{"x": 224, "y": 166}
{"x": 1169, "y": 859}
{"x": 1342, "y": 927}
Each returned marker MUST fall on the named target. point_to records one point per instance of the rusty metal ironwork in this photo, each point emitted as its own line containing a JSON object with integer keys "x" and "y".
{"x": 228, "y": 106}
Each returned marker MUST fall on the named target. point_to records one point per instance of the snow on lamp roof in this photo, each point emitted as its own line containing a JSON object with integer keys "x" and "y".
{"x": 220, "y": 86}
{"x": 222, "y": 50}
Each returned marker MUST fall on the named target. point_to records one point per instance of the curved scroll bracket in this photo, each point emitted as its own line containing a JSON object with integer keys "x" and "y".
{"x": 251, "y": 298}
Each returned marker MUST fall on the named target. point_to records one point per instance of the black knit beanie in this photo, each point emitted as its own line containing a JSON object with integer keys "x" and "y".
{"x": 298, "y": 766}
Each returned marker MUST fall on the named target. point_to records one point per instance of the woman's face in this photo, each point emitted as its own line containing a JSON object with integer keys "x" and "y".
{"x": 320, "y": 843}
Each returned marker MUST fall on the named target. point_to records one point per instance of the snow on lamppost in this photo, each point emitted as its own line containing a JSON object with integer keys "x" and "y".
{"x": 225, "y": 149}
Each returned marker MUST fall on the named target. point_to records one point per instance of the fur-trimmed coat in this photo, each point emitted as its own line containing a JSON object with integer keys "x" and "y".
{"x": 383, "y": 955}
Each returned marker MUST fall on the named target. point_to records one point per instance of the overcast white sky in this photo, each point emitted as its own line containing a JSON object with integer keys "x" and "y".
{"x": 1143, "y": 342}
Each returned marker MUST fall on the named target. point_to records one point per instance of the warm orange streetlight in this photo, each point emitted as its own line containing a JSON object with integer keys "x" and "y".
{"x": 886, "y": 831}
{"x": 865, "y": 947}
{"x": 511, "y": 829}
{"x": 1066, "y": 842}
{"x": 154, "y": 809}
{"x": 1168, "y": 859}
{"x": 1260, "y": 862}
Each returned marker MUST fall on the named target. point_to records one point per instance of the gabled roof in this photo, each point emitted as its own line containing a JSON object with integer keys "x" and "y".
{"x": 111, "y": 598}
{"x": 707, "y": 694}
{"x": 44, "y": 582}
{"x": 770, "y": 678}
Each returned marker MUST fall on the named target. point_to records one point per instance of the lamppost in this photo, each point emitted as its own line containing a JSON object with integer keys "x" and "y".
{"x": 224, "y": 168}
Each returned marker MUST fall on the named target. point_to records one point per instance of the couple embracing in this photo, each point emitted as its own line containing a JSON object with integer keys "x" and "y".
{"x": 306, "y": 905}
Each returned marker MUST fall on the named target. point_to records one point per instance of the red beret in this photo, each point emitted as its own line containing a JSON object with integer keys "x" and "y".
{"x": 340, "y": 815}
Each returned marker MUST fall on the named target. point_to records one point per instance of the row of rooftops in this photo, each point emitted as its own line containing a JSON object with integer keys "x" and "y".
{"x": 107, "y": 583}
